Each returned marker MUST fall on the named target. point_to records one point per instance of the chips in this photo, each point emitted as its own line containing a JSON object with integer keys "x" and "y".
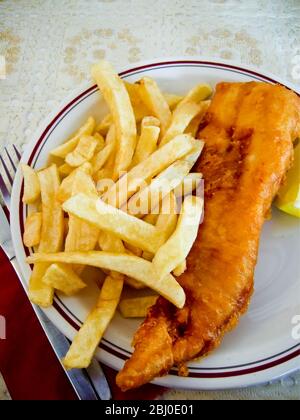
{"x": 68, "y": 147}
{"x": 32, "y": 230}
{"x": 131, "y": 266}
{"x": 110, "y": 219}
{"x": 194, "y": 125}
{"x": 83, "y": 152}
{"x": 177, "y": 247}
{"x": 63, "y": 278}
{"x": 181, "y": 118}
{"x": 52, "y": 235}
{"x": 32, "y": 188}
{"x": 110, "y": 243}
{"x": 197, "y": 94}
{"x": 154, "y": 164}
{"x": 155, "y": 101}
{"x": 180, "y": 269}
{"x": 86, "y": 341}
{"x": 65, "y": 169}
{"x": 136, "y": 307}
{"x": 190, "y": 183}
{"x": 131, "y": 217}
{"x": 66, "y": 187}
{"x": 103, "y": 127}
{"x": 81, "y": 235}
{"x": 147, "y": 200}
{"x": 147, "y": 143}
{"x": 116, "y": 96}
{"x": 101, "y": 157}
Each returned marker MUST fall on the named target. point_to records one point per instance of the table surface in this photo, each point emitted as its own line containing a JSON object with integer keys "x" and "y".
{"x": 49, "y": 47}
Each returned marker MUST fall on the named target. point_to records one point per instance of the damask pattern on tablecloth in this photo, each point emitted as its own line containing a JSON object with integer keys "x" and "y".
{"x": 49, "y": 47}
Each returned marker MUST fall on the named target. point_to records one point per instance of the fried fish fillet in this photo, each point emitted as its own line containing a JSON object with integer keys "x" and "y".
{"x": 248, "y": 133}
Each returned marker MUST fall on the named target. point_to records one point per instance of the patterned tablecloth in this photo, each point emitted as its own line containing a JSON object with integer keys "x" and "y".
{"x": 48, "y": 47}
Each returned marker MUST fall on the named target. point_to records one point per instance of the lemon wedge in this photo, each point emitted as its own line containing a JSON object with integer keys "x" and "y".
{"x": 288, "y": 199}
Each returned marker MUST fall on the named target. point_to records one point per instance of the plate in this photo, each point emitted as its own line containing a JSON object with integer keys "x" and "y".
{"x": 265, "y": 345}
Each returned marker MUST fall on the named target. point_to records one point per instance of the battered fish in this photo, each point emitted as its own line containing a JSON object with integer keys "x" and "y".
{"x": 248, "y": 133}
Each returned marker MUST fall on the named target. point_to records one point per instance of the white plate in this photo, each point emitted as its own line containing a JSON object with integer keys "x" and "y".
{"x": 262, "y": 348}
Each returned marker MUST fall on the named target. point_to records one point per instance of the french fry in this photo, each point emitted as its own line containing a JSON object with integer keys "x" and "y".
{"x": 147, "y": 143}
{"x": 149, "y": 120}
{"x": 111, "y": 243}
{"x": 121, "y": 191}
{"x": 182, "y": 116}
{"x": 102, "y": 177}
{"x": 134, "y": 284}
{"x": 180, "y": 269}
{"x": 166, "y": 221}
{"x": 172, "y": 100}
{"x": 86, "y": 341}
{"x": 136, "y": 307}
{"x": 147, "y": 200}
{"x": 151, "y": 218}
{"x": 138, "y": 106}
{"x": 52, "y": 235}
{"x": 100, "y": 142}
{"x": 82, "y": 236}
{"x": 62, "y": 278}
{"x": 194, "y": 154}
{"x": 109, "y": 165}
{"x": 103, "y": 127}
{"x": 128, "y": 228}
{"x": 134, "y": 249}
{"x": 32, "y": 188}
{"x": 194, "y": 125}
{"x": 129, "y": 265}
{"x": 155, "y": 101}
{"x": 117, "y": 98}
{"x": 68, "y": 147}
{"x": 108, "y": 242}
{"x": 178, "y": 246}
{"x": 32, "y": 230}
{"x": 101, "y": 157}
{"x": 148, "y": 255}
{"x": 65, "y": 169}
{"x": 189, "y": 184}
{"x": 83, "y": 152}
{"x": 197, "y": 94}
{"x": 66, "y": 187}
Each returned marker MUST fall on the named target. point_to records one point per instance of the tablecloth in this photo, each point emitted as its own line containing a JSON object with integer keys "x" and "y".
{"x": 46, "y": 49}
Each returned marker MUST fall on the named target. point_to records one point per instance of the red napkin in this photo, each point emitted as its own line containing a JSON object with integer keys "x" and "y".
{"x": 27, "y": 362}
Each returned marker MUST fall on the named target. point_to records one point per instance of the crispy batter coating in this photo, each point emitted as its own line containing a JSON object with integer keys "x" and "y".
{"x": 248, "y": 134}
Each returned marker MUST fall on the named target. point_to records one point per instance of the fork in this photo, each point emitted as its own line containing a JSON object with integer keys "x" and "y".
{"x": 89, "y": 384}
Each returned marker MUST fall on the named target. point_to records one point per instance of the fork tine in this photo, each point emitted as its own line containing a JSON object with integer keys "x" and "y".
{"x": 13, "y": 155}
{"x": 6, "y": 171}
{"x": 5, "y": 192}
{"x": 10, "y": 159}
{"x": 18, "y": 153}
